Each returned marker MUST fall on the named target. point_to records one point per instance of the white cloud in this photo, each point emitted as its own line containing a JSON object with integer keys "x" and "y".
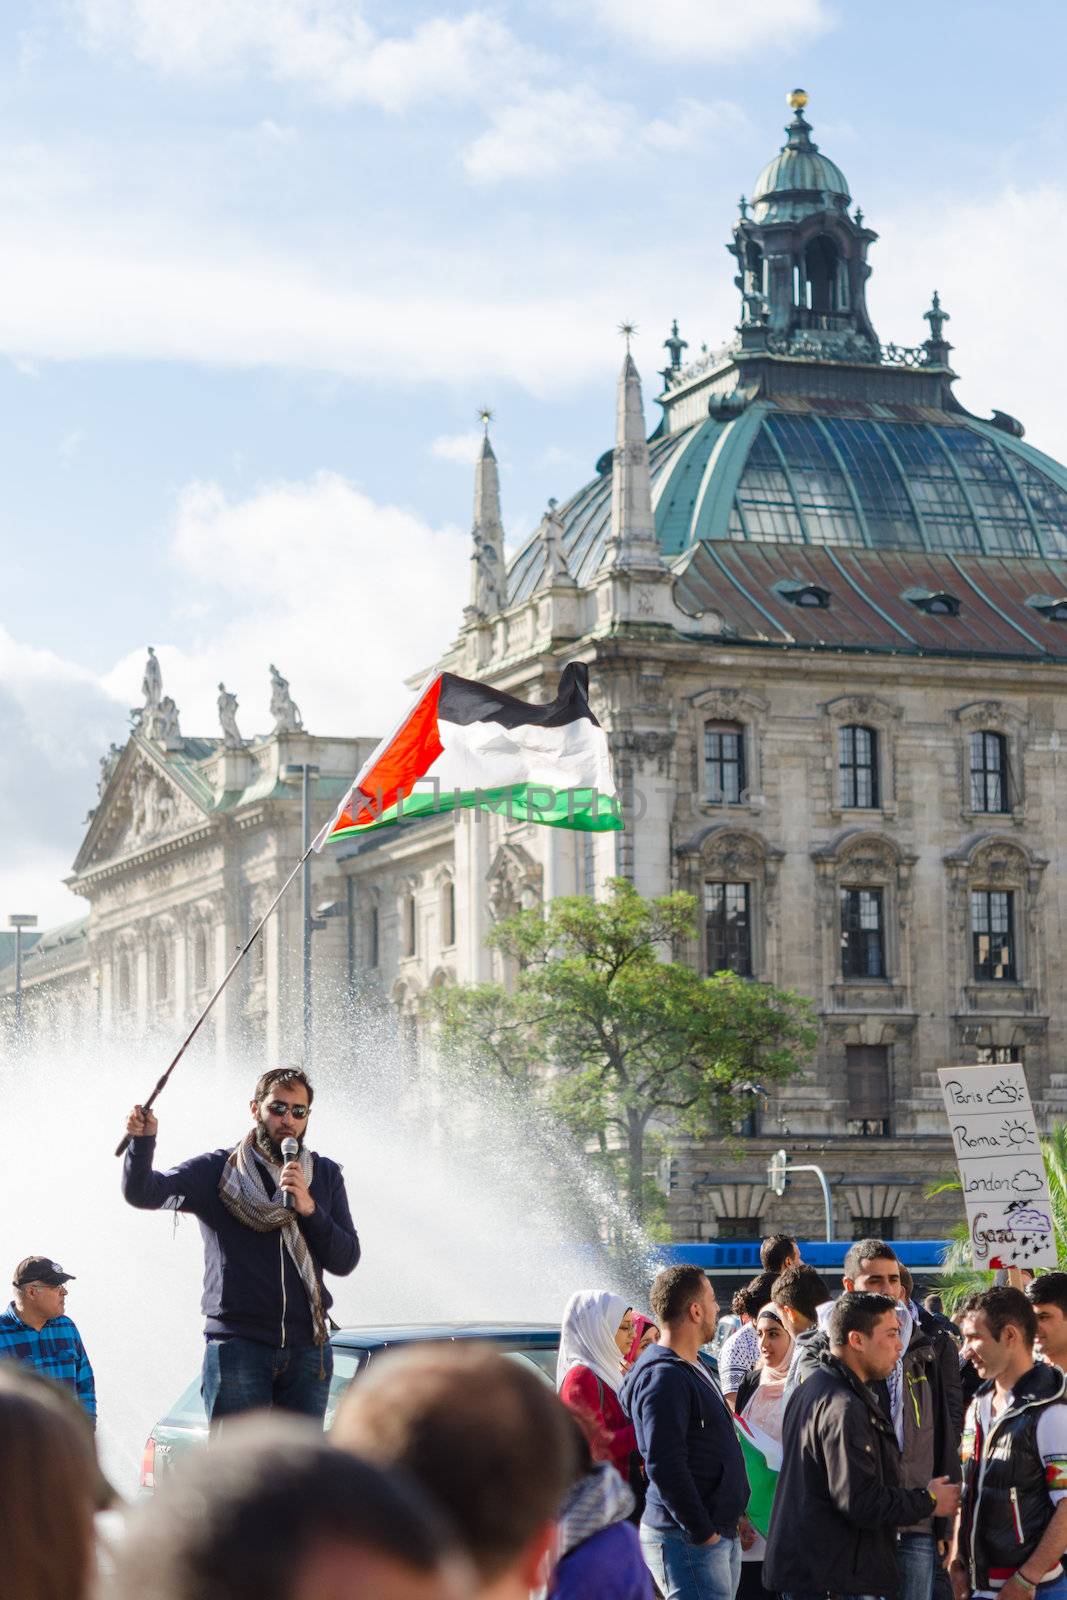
{"x": 539, "y": 134}
{"x": 326, "y": 47}
{"x": 56, "y": 720}
{"x": 970, "y": 250}
{"x": 344, "y": 595}
{"x": 709, "y": 30}
{"x": 461, "y": 448}
{"x": 86, "y": 281}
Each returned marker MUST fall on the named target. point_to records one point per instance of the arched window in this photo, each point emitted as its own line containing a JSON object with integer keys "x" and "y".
{"x": 989, "y": 772}
{"x": 448, "y": 913}
{"x": 820, "y": 269}
{"x": 724, "y": 762}
{"x": 857, "y": 768}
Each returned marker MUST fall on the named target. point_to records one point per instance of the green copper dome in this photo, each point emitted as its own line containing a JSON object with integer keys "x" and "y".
{"x": 879, "y": 476}
{"x": 800, "y": 179}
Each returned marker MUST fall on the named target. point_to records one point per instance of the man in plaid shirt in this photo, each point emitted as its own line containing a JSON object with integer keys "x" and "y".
{"x": 34, "y": 1329}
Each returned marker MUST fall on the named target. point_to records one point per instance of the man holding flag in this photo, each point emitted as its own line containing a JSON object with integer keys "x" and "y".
{"x": 265, "y": 1304}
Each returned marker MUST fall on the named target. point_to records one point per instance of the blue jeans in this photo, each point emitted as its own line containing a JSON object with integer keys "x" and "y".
{"x": 916, "y": 1560}
{"x": 685, "y": 1571}
{"x": 243, "y": 1375}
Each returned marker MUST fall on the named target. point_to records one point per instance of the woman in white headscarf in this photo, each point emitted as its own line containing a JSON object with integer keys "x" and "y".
{"x": 761, "y": 1402}
{"x": 597, "y": 1332}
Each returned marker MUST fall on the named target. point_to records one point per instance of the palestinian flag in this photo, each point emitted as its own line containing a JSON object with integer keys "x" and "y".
{"x": 464, "y": 744}
{"x": 763, "y": 1462}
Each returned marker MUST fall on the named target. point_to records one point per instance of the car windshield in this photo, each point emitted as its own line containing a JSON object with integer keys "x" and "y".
{"x": 348, "y": 1360}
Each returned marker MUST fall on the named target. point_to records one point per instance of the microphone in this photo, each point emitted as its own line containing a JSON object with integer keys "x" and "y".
{"x": 290, "y": 1151}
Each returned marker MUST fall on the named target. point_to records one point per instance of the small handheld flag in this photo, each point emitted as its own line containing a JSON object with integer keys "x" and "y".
{"x": 468, "y": 745}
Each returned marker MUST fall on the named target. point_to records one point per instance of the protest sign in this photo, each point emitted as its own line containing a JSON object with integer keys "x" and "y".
{"x": 1002, "y": 1171}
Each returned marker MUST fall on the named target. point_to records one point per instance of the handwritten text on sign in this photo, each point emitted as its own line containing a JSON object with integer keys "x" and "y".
{"x": 1002, "y": 1172}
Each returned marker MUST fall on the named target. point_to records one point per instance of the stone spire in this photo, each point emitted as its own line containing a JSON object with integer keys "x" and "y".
{"x": 633, "y": 541}
{"x": 556, "y": 574}
{"x": 487, "y": 589}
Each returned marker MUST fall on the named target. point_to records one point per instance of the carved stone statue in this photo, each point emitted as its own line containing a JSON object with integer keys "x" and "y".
{"x": 108, "y": 764}
{"x": 167, "y": 730}
{"x": 231, "y": 733}
{"x": 152, "y": 686}
{"x": 283, "y": 709}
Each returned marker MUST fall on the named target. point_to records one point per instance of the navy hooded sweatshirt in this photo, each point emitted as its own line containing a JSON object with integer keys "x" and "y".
{"x": 252, "y": 1289}
{"x": 685, "y": 1433}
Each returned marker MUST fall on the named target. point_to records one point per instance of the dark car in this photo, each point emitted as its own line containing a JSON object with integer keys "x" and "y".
{"x": 185, "y": 1424}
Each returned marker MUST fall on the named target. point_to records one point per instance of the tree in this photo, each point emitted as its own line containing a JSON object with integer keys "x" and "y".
{"x": 617, "y": 1037}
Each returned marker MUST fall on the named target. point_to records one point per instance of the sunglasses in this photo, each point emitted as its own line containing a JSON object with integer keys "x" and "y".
{"x": 278, "y": 1108}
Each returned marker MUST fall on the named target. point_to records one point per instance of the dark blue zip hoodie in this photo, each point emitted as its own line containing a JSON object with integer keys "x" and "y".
{"x": 252, "y": 1289}
{"x": 696, "y": 1472}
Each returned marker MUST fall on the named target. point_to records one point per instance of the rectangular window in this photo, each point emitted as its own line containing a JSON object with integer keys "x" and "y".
{"x": 448, "y": 915}
{"x": 857, "y": 769}
{"x": 862, "y": 934}
{"x": 729, "y": 932}
{"x": 867, "y": 1089}
{"x": 874, "y": 1227}
{"x": 372, "y": 937}
{"x": 740, "y": 1229}
{"x": 993, "y": 935}
{"x": 989, "y": 772}
{"x": 410, "y": 926}
{"x": 724, "y": 762}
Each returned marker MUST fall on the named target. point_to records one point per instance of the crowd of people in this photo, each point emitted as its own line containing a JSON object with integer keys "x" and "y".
{"x": 833, "y": 1442}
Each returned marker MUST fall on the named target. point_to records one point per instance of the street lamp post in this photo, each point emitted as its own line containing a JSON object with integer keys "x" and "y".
{"x": 302, "y": 772}
{"x": 18, "y": 921}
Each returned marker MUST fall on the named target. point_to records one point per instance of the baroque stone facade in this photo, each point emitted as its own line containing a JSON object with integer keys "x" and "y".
{"x": 823, "y": 610}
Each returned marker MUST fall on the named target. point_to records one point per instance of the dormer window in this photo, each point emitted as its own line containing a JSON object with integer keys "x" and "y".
{"x": 803, "y": 594}
{"x": 935, "y": 602}
{"x": 1050, "y": 607}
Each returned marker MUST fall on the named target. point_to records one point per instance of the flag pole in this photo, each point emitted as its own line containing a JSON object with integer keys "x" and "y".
{"x": 202, "y": 1018}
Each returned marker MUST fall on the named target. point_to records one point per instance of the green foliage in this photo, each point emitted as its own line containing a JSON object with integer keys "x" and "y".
{"x": 613, "y": 1035}
{"x": 959, "y": 1277}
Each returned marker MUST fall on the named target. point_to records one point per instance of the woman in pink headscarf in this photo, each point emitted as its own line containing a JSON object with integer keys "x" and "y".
{"x": 645, "y": 1333}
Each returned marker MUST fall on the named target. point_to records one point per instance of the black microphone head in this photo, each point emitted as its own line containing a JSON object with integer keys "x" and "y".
{"x": 290, "y": 1149}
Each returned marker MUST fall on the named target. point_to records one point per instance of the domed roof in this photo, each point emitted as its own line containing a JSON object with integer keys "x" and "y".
{"x": 877, "y": 475}
{"x": 800, "y": 179}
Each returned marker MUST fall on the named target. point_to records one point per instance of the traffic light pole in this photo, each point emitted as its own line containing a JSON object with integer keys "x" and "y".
{"x": 778, "y": 1173}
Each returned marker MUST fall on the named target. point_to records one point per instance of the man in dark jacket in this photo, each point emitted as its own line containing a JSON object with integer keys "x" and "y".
{"x": 1012, "y": 1531}
{"x": 264, "y": 1299}
{"x": 839, "y": 1499}
{"x": 921, "y": 1396}
{"x": 697, "y": 1487}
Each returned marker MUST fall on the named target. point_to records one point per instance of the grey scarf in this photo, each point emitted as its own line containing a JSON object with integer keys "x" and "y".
{"x": 241, "y": 1192}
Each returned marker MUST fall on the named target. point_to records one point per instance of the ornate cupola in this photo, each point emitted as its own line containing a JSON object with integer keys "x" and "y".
{"x": 802, "y": 257}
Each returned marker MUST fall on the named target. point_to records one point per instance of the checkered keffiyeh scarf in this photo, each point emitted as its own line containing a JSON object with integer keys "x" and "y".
{"x": 241, "y": 1192}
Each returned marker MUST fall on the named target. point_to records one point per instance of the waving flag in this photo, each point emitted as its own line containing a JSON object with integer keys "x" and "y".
{"x": 763, "y": 1462}
{"x": 465, "y": 744}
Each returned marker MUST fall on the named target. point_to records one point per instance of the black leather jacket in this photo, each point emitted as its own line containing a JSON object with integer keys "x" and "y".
{"x": 1006, "y": 1508}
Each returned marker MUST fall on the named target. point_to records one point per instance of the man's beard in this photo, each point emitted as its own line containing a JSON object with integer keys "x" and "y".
{"x": 270, "y": 1147}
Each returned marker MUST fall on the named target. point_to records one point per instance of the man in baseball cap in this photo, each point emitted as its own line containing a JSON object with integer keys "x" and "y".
{"x": 35, "y": 1328}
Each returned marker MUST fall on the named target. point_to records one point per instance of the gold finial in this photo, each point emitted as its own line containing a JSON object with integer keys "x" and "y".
{"x": 797, "y": 99}
{"x": 485, "y": 417}
{"x": 628, "y": 331}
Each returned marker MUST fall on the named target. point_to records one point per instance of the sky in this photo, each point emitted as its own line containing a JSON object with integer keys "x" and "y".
{"x": 262, "y": 262}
